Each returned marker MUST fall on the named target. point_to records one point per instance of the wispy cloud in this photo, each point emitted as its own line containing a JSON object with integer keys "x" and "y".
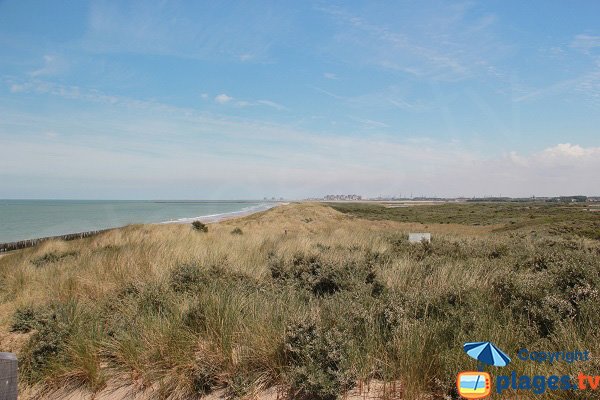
{"x": 245, "y": 33}
{"x": 585, "y": 42}
{"x": 450, "y": 48}
{"x": 328, "y": 93}
{"x": 65, "y": 91}
{"x": 330, "y": 75}
{"x": 391, "y": 97}
{"x": 271, "y": 104}
{"x": 226, "y": 99}
{"x": 223, "y": 98}
{"x": 52, "y": 65}
{"x": 584, "y": 82}
{"x": 369, "y": 123}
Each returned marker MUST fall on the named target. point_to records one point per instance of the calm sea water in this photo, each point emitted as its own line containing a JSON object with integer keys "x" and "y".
{"x": 29, "y": 219}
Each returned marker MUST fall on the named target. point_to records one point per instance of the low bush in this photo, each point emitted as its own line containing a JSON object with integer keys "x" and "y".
{"x": 49, "y": 342}
{"x": 185, "y": 277}
{"x": 200, "y": 226}
{"x": 549, "y": 288}
{"x": 25, "y": 320}
{"x": 156, "y": 299}
{"x": 318, "y": 365}
{"x": 237, "y": 231}
{"x": 52, "y": 257}
{"x": 323, "y": 278}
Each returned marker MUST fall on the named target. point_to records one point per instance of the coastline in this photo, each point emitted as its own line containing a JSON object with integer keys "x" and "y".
{"x": 225, "y": 216}
{"x": 7, "y": 247}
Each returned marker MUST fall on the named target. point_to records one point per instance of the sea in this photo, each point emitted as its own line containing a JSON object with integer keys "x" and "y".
{"x": 32, "y": 219}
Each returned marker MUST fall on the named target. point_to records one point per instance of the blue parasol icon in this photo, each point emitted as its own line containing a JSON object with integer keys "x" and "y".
{"x": 487, "y": 353}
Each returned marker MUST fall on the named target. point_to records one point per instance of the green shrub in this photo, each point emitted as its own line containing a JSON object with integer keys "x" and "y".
{"x": 317, "y": 361}
{"x": 25, "y": 320}
{"x": 49, "y": 342}
{"x": 154, "y": 298}
{"x": 52, "y": 257}
{"x": 323, "y": 278}
{"x": 237, "y": 231}
{"x": 549, "y": 288}
{"x": 200, "y": 226}
{"x": 185, "y": 277}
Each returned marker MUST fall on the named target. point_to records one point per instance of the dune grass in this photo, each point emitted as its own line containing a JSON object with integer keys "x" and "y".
{"x": 302, "y": 297}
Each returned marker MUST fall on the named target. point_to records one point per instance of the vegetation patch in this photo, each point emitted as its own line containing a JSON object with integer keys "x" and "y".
{"x": 25, "y": 320}
{"x": 47, "y": 346}
{"x": 318, "y": 361}
{"x": 186, "y": 277}
{"x": 52, "y": 257}
{"x": 200, "y": 226}
{"x": 320, "y": 277}
{"x": 559, "y": 219}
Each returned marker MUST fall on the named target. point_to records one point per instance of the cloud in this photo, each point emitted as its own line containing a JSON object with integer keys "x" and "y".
{"x": 67, "y": 92}
{"x": 17, "y": 88}
{"x": 328, "y": 93}
{"x": 53, "y": 65}
{"x": 565, "y": 151}
{"x": 131, "y": 146}
{"x": 585, "y": 43}
{"x": 586, "y": 84}
{"x": 389, "y": 98}
{"x": 330, "y": 75}
{"x": 51, "y": 134}
{"x": 448, "y": 44}
{"x": 271, "y": 104}
{"x": 583, "y": 85}
{"x": 245, "y": 33}
{"x": 370, "y": 124}
{"x": 223, "y": 98}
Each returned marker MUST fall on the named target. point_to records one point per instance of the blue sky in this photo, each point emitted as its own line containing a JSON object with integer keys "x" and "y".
{"x": 172, "y": 99}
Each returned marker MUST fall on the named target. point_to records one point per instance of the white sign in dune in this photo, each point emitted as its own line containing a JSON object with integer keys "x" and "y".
{"x": 419, "y": 237}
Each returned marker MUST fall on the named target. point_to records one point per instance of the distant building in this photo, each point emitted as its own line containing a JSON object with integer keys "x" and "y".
{"x": 568, "y": 199}
{"x": 342, "y": 197}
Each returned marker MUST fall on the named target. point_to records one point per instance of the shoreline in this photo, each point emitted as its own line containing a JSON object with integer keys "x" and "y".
{"x": 8, "y": 247}
{"x": 224, "y": 216}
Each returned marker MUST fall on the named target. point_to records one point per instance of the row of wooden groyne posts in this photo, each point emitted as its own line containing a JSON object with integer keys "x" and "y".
{"x": 22, "y": 244}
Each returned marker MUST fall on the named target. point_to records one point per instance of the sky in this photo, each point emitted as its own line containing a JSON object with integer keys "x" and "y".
{"x": 296, "y": 99}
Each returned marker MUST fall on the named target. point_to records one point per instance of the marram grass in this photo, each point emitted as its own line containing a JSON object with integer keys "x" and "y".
{"x": 306, "y": 299}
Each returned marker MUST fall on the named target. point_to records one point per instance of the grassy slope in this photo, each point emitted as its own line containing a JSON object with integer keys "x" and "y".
{"x": 338, "y": 299}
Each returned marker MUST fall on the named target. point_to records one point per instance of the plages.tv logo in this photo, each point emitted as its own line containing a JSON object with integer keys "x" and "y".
{"x": 478, "y": 384}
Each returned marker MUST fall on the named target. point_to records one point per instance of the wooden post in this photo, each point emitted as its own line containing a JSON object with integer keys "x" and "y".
{"x": 8, "y": 376}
